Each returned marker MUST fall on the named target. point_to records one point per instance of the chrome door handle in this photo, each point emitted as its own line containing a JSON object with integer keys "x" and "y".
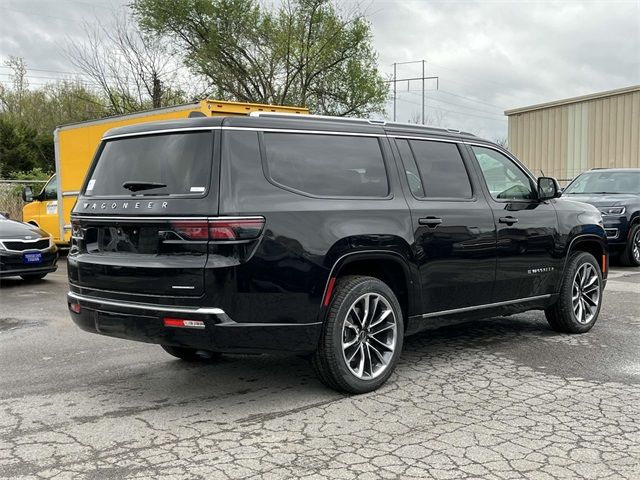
{"x": 508, "y": 220}
{"x": 431, "y": 222}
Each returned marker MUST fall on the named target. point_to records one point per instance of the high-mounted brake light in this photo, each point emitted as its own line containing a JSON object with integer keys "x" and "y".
{"x": 220, "y": 228}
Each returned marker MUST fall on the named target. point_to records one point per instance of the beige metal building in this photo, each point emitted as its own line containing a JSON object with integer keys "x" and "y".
{"x": 566, "y": 137}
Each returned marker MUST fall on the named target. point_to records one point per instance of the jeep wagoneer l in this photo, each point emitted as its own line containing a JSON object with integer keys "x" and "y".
{"x": 329, "y": 237}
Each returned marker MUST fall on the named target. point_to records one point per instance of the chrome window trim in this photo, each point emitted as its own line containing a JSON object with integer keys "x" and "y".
{"x": 483, "y": 306}
{"x": 167, "y": 130}
{"x": 430, "y": 139}
{"x": 160, "y": 217}
{"x": 297, "y": 130}
{"x": 302, "y": 131}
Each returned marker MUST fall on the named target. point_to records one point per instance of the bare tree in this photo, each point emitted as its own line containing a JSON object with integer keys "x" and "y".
{"x": 502, "y": 141}
{"x": 133, "y": 71}
{"x": 12, "y": 99}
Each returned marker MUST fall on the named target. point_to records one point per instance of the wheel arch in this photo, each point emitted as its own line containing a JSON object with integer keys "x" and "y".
{"x": 633, "y": 221}
{"x": 388, "y": 266}
{"x": 590, "y": 243}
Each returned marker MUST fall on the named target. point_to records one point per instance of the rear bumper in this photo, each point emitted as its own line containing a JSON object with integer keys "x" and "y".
{"x": 145, "y": 323}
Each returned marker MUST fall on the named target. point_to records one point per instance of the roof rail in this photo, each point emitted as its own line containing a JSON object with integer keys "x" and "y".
{"x": 355, "y": 120}
{"x": 318, "y": 117}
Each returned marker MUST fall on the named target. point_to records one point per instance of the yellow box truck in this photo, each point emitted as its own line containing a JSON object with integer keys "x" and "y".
{"x": 75, "y": 145}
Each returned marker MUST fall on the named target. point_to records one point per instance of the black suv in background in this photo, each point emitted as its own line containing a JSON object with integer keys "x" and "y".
{"x": 616, "y": 193}
{"x": 322, "y": 236}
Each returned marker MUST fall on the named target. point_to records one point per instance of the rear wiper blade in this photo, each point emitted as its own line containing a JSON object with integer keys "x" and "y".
{"x": 136, "y": 186}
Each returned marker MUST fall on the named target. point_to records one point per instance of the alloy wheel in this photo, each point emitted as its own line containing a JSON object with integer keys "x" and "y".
{"x": 369, "y": 336}
{"x": 635, "y": 246}
{"x": 585, "y": 293}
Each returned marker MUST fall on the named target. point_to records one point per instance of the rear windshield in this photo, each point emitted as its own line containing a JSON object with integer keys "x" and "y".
{"x": 605, "y": 182}
{"x": 170, "y": 164}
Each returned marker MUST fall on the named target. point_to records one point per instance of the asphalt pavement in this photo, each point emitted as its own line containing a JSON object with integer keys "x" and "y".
{"x": 499, "y": 398}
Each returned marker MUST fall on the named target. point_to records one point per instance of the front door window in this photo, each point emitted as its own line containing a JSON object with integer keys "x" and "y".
{"x": 505, "y": 180}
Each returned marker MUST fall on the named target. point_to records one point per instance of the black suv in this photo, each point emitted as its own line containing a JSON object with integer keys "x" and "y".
{"x": 329, "y": 237}
{"x": 616, "y": 193}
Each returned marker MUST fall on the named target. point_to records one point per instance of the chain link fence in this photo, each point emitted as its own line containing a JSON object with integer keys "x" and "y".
{"x": 11, "y": 202}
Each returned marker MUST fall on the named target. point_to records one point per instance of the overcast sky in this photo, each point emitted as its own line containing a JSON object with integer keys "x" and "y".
{"x": 489, "y": 55}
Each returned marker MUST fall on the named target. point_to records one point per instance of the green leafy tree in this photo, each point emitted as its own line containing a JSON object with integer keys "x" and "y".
{"x": 22, "y": 148}
{"x": 305, "y": 52}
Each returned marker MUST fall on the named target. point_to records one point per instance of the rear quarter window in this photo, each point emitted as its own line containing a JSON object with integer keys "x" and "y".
{"x": 326, "y": 165}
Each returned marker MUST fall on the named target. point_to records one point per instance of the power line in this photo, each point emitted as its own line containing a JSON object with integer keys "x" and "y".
{"x": 472, "y": 99}
{"x": 460, "y": 105}
{"x": 49, "y": 71}
{"x": 459, "y": 112}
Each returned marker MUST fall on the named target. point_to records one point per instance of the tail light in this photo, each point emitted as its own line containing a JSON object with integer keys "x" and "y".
{"x": 232, "y": 228}
{"x": 76, "y": 230}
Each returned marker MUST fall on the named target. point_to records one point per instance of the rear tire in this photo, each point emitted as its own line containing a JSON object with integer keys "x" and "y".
{"x": 362, "y": 336}
{"x": 29, "y": 277}
{"x": 630, "y": 257}
{"x": 580, "y": 299}
{"x": 191, "y": 354}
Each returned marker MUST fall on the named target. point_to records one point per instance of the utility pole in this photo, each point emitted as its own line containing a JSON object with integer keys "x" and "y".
{"x": 422, "y": 92}
{"x": 394, "y": 91}
{"x": 423, "y": 78}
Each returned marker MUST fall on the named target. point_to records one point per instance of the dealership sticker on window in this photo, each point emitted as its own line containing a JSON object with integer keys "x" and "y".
{"x": 197, "y": 189}
{"x": 90, "y": 185}
{"x": 52, "y": 208}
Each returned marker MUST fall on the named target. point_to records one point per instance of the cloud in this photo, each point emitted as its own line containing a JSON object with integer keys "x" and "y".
{"x": 507, "y": 54}
{"x": 489, "y": 55}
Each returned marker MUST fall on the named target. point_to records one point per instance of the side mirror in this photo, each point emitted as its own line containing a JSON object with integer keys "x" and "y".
{"x": 548, "y": 188}
{"x": 27, "y": 194}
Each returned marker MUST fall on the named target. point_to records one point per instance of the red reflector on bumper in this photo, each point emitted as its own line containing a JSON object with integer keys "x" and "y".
{"x": 74, "y": 307}
{"x": 183, "y": 323}
{"x": 327, "y": 295}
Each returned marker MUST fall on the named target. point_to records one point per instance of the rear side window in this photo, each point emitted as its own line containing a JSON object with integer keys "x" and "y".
{"x": 326, "y": 165}
{"x": 171, "y": 164}
{"x": 440, "y": 168}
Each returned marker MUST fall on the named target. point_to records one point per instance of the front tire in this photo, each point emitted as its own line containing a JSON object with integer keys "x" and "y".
{"x": 631, "y": 254}
{"x": 190, "y": 354}
{"x": 580, "y": 299}
{"x": 362, "y": 336}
